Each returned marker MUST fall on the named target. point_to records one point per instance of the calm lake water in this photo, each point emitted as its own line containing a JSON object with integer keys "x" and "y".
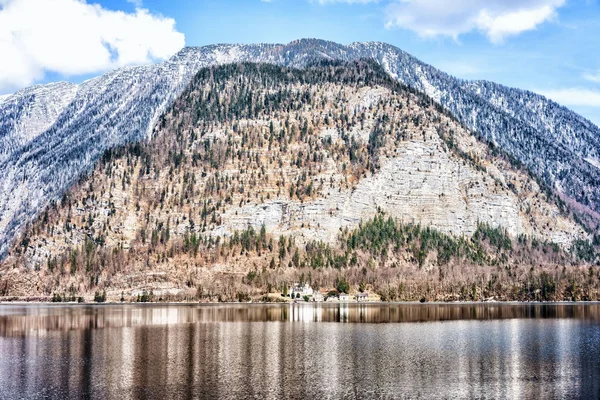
{"x": 303, "y": 351}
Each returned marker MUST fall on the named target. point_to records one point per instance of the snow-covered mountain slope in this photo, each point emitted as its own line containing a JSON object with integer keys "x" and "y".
{"x": 30, "y": 112}
{"x": 549, "y": 139}
{"x": 41, "y": 160}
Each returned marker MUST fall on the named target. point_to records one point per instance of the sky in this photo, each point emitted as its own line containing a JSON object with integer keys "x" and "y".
{"x": 551, "y": 47}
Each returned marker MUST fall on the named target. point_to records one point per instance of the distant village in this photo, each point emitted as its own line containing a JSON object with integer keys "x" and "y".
{"x": 306, "y": 293}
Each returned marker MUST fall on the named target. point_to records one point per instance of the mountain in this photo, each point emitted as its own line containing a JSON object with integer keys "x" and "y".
{"x": 49, "y": 140}
{"x": 336, "y": 174}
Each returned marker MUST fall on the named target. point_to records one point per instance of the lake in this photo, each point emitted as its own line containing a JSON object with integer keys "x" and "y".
{"x": 301, "y": 351}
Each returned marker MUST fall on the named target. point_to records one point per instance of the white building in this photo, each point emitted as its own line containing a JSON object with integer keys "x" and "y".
{"x": 301, "y": 291}
{"x": 344, "y": 297}
{"x": 318, "y": 297}
{"x": 362, "y": 297}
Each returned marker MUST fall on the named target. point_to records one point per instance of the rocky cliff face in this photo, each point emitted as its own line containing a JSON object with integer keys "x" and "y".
{"x": 52, "y": 134}
{"x": 305, "y": 155}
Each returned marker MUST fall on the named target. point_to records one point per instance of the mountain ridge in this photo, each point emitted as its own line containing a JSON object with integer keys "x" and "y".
{"x": 123, "y": 105}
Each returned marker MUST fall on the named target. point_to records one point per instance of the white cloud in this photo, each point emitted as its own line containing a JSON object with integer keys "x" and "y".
{"x": 497, "y": 19}
{"x": 72, "y": 37}
{"x": 592, "y": 77}
{"x": 574, "y": 96}
{"x": 137, "y": 3}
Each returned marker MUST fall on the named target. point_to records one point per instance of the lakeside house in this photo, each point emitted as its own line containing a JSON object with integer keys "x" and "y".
{"x": 362, "y": 297}
{"x": 344, "y": 297}
{"x": 302, "y": 291}
{"x": 318, "y": 297}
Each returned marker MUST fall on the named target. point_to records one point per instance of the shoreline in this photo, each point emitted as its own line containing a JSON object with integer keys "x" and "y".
{"x": 379, "y": 303}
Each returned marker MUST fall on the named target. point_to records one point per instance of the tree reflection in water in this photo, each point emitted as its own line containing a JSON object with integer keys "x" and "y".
{"x": 302, "y": 350}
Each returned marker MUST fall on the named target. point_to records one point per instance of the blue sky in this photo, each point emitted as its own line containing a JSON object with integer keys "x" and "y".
{"x": 548, "y": 46}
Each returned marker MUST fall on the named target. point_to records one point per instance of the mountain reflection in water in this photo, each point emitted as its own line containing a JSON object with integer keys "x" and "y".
{"x": 300, "y": 351}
